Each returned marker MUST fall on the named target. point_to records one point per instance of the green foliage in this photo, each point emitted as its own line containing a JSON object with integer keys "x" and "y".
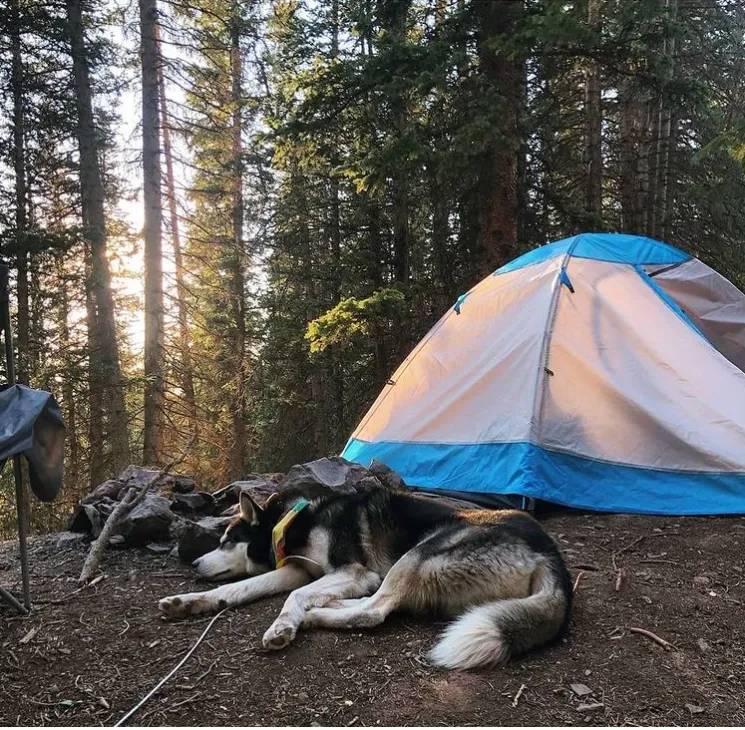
{"x": 353, "y": 318}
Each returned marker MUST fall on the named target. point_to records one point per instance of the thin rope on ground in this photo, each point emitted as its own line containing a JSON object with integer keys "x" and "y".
{"x": 171, "y": 673}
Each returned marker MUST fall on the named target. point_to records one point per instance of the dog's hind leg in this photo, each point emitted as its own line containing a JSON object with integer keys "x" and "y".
{"x": 349, "y": 582}
{"x": 287, "y": 578}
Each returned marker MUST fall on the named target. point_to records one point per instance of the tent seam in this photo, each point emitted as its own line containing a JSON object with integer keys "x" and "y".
{"x": 541, "y": 375}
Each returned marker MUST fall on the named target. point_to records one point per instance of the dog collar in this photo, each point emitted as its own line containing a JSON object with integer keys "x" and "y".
{"x": 279, "y": 531}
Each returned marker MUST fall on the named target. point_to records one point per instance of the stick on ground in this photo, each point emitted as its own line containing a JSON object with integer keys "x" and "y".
{"x": 130, "y": 500}
{"x": 664, "y": 644}
{"x": 576, "y": 582}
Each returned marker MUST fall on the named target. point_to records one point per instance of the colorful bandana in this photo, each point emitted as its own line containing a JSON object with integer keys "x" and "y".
{"x": 278, "y": 533}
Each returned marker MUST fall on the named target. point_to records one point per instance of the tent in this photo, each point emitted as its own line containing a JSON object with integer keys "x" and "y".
{"x": 603, "y": 372}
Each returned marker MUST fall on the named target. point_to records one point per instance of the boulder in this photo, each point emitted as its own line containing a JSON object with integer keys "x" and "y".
{"x": 198, "y": 538}
{"x": 192, "y": 502}
{"x": 387, "y": 477}
{"x": 139, "y": 476}
{"x": 85, "y": 519}
{"x": 69, "y": 540}
{"x": 336, "y": 474}
{"x": 148, "y": 522}
{"x": 259, "y": 486}
{"x": 111, "y": 489}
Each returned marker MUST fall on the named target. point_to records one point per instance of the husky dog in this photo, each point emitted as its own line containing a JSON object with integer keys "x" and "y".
{"x": 351, "y": 559}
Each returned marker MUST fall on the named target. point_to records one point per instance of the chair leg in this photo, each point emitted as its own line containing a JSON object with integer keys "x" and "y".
{"x": 22, "y": 529}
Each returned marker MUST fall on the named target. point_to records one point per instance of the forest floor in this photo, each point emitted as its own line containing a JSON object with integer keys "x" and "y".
{"x": 86, "y": 657}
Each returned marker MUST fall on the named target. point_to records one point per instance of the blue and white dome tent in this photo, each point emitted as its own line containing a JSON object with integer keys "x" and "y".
{"x": 603, "y": 372}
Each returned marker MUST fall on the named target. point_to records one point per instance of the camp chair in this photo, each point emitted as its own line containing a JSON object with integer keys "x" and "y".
{"x": 30, "y": 425}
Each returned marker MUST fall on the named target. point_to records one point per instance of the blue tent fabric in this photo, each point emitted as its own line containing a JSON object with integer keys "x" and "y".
{"x": 612, "y": 247}
{"x": 31, "y": 424}
{"x": 565, "y": 479}
{"x": 601, "y": 372}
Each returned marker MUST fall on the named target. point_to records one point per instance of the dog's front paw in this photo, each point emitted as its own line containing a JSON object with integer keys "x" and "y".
{"x": 279, "y": 635}
{"x": 187, "y": 604}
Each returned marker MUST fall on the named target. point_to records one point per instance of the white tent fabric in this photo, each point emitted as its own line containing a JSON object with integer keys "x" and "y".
{"x": 603, "y": 372}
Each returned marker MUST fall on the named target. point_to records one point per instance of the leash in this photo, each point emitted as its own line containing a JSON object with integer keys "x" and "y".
{"x": 172, "y": 672}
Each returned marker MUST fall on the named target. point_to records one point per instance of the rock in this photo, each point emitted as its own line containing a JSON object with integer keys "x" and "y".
{"x": 580, "y": 689}
{"x": 703, "y": 645}
{"x": 386, "y": 476}
{"x": 148, "y": 522}
{"x": 701, "y": 580}
{"x": 69, "y": 540}
{"x": 159, "y": 548}
{"x": 191, "y": 502}
{"x": 139, "y": 476}
{"x": 694, "y": 709}
{"x": 117, "y": 541}
{"x": 111, "y": 488}
{"x": 200, "y": 537}
{"x": 334, "y": 473}
{"x": 259, "y": 486}
{"x": 590, "y": 707}
{"x": 105, "y": 507}
{"x": 86, "y": 519}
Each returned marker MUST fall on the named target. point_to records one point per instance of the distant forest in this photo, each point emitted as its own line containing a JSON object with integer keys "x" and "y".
{"x": 316, "y": 182}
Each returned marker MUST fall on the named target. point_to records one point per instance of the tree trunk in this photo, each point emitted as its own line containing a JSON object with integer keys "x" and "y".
{"x": 335, "y": 352}
{"x": 653, "y": 150}
{"x": 186, "y": 365}
{"x": 498, "y": 174}
{"x": 669, "y": 184}
{"x": 21, "y": 193}
{"x": 627, "y": 157}
{"x": 594, "y": 124}
{"x": 72, "y": 470}
{"x": 154, "y": 335}
{"x": 107, "y": 380}
{"x": 642, "y": 118}
{"x": 239, "y": 446}
{"x": 97, "y": 467}
{"x": 667, "y": 132}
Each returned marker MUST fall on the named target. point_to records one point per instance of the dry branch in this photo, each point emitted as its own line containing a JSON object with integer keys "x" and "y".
{"x": 665, "y": 644}
{"x": 131, "y": 499}
{"x": 576, "y": 582}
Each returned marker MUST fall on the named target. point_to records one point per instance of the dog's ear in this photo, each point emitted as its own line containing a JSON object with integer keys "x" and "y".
{"x": 273, "y": 497}
{"x": 249, "y": 509}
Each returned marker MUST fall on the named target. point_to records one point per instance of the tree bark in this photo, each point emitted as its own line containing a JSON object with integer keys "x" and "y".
{"x": 21, "y": 193}
{"x": 107, "y": 382}
{"x": 184, "y": 347}
{"x": 667, "y": 134}
{"x": 151, "y": 165}
{"x": 239, "y": 446}
{"x": 97, "y": 468}
{"x": 594, "y": 124}
{"x": 498, "y": 174}
{"x": 72, "y": 470}
{"x": 335, "y": 352}
{"x": 627, "y": 157}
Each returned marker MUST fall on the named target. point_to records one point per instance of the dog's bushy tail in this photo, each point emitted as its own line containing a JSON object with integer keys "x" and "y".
{"x": 493, "y": 632}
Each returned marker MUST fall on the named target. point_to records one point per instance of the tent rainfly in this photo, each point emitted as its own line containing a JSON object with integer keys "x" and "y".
{"x": 603, "y": 372}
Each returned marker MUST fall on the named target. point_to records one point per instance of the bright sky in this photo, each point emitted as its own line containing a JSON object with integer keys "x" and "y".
{"x": 129, "y": 147}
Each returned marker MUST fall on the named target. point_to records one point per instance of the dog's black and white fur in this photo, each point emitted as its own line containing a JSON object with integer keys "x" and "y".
{"x": 360, "y": 556}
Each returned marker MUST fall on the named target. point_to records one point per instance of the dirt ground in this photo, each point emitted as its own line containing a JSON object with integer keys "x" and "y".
{"x": 86, "y": 657}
